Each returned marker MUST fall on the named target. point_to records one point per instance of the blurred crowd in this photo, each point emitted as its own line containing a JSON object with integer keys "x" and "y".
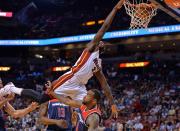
{"x": 147, "y": 98}
{"x": 33, "y": 22}
{"x": 147, "y": 102}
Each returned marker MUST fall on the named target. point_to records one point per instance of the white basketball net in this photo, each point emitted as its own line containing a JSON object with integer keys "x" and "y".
{"x": 141, "y": 13}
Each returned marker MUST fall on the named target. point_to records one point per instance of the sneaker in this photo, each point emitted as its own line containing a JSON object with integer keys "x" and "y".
{"x": 8, "y": 88}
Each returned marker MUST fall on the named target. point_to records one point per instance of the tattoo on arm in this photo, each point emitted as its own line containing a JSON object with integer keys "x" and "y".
{"x": 43, "y": 109}
{"x": 9, "y": 109}
{"x": 93, "y": 122}
{"x": 3, "y": 101}
{"x": 103, "y": 82}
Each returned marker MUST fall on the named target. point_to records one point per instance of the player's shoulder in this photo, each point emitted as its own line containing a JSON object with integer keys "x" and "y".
{"x": 94, "y": 117}
{"x": 53, "y": 100}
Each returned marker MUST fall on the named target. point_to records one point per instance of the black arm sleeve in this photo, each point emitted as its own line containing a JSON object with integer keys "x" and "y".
{"x": 35, "y": 96}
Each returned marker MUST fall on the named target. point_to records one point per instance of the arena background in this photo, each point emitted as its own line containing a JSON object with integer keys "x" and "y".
{"x": 141, "y": 66}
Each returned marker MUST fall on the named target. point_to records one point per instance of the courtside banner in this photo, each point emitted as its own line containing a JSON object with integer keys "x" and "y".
{"x": 134, "y": 64}
{"x": 5, "y": 68}
{"x": 87, "y": 37}
{"x": 61, "y": 68}
{"x": 6, "y": 14}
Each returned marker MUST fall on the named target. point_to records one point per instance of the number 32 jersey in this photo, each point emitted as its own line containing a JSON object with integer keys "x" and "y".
{"x": 92, "y": 65}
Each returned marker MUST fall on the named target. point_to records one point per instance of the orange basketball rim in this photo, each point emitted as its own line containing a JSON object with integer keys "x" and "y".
{"x": 173, "y": 3}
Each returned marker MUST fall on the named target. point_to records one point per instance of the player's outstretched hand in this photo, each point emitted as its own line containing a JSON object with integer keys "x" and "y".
{"x": 62, "y": 123}
{"x": 33, "y": 105}
{"x": 114, "y": 111}
{"x": 119, "y": 4}
{"x": 10, "y": 96}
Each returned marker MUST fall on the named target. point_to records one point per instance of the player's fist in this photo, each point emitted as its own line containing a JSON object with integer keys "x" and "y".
{"x": 62, "y": 123}
{"x": 114, "y": 111}
{"x": 11, "y": 96}
{"x": 119, "y": 4}
{"x": 33, "y": 105}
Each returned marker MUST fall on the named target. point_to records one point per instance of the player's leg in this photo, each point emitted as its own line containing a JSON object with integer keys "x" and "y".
{"x": 82, "y": 92}
{"x": 73, "y": 90}
{"x": 35, "y": 96}
{"x": 69, "y": 88}
{"x": 27, "y": 93}
{"x": 66, "y": 92}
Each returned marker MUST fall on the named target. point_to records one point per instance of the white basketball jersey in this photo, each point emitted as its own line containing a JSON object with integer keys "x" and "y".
{"x": 92, "y": 65}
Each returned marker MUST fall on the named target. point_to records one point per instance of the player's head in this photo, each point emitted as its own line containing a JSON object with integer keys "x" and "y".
{"x": 101, "y": 47}
{"x": 1, "y": 83}
{"x": 92, "y": 98}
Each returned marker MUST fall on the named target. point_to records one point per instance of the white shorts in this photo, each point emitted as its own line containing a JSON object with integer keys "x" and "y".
{"x": 72, "y": 89}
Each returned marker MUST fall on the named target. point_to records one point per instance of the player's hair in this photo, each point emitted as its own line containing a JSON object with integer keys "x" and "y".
{"x": 97, "y": 95}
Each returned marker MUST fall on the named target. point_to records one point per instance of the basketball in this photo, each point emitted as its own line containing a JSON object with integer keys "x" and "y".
{"x": 143, "y": 11}
{"x": 173, "y": 3}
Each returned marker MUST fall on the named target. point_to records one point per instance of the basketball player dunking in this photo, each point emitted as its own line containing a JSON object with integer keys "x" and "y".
{"x": 73, "y": 82}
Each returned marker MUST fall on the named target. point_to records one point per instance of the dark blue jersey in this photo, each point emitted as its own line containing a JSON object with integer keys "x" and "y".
{"x": 81, "y": 126}
{"x": 57, "y": 110}
{"x": 2, "y": 122}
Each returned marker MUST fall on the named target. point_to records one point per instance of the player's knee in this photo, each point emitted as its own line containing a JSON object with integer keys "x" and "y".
{"x": 44, "y": 98}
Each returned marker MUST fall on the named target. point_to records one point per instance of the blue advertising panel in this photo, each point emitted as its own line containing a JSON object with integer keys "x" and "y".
{"x": 88, "y": 37}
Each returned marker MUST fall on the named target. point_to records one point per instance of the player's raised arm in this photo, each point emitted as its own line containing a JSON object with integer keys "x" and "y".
{"x": 20, "y": 113}
{"x": 98, "y": 37}
{"x": 107, "y": 90}
{"x": 3, "y": 100}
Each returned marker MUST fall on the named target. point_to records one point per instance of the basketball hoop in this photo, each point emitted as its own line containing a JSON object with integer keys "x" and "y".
{"x": 141, "y": 12}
